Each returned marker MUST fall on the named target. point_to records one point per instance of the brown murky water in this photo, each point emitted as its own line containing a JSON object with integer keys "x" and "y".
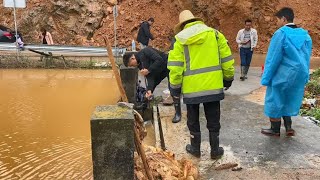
{"x": 45, "y": 121}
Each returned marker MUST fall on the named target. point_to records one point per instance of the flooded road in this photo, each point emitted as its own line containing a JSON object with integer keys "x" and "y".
{"x": 45, "y": 121}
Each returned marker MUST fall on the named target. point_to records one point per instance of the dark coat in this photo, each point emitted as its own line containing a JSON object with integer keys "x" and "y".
{"x": 144, "y": 33}
{"x": 156, "y": 63}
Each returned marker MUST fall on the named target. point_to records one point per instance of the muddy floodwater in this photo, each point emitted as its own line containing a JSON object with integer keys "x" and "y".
{"x": 45, "y": 121}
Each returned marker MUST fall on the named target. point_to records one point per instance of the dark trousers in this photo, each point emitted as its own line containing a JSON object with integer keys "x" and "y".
{"x": 246, "y": 56}
{"x": 157, "y": 79}
{"x": 212, "y": 112}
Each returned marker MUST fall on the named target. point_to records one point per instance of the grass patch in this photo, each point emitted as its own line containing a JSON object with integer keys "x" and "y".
{"x": 312, "y": 91}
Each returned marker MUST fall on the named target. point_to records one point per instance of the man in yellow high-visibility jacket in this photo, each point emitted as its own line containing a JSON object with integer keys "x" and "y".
{"x": 201, "y": 65}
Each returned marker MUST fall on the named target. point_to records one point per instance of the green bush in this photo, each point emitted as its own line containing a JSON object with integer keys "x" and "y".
{"x": 305, "y": 112}
{"x": 314, "y": 112}
{"x": 312, "y": 91}
{"x": 308, "y": 95}
{"x": 313, "y": 87}
{"x": 315, "y": 74}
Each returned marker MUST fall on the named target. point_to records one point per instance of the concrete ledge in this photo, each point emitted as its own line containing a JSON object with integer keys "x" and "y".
{"x": 112, "y": 137}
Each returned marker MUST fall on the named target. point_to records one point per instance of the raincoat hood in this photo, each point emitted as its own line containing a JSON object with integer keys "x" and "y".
{"x": 297, "y": 36}
{"x": 193, "y": 33}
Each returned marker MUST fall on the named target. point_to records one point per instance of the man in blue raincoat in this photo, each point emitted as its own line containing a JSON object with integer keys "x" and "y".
{"x": 286, "y": 72}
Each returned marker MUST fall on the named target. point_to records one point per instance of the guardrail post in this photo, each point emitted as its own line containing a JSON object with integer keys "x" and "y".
{"x": 112, "y": 137}
{"x": 129, "y": 78}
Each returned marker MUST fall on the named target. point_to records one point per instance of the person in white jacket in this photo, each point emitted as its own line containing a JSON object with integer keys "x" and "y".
{"x": 46, "y": 37}
{"x": 247, "y": 40}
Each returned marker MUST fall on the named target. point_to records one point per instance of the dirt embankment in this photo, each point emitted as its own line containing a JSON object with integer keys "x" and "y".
{"x": 228, "y": 16}
{"x": 84, "y": 22}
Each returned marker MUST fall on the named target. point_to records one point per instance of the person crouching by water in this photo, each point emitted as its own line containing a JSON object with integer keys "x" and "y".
{"x": 153, "y": 65}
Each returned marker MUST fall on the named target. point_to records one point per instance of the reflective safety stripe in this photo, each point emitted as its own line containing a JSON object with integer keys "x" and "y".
{"x": 175, "y": 63}
{"x": 175, "y": 86}
{"x": 203, "y": 93}
{"x": 196, "y": 71}
{"x": 226, "y": 59}
{"x": 187, "y": 57}
{"x": 202, "y": 70}
{"x": 192, "y": 31}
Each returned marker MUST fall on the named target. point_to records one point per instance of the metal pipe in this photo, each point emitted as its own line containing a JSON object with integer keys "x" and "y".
{"x": 15, "y": 27}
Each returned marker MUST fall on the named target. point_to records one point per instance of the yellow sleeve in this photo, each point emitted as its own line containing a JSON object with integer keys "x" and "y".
{"x": 227, "y": 60}
{"x": 176, "y": 65}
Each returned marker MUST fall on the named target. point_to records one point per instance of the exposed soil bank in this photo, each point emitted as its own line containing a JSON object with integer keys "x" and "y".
{"x": 84, "y": 22}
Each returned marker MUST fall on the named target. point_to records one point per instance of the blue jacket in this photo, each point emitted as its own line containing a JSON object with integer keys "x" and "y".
{"x": 286, "y": 71}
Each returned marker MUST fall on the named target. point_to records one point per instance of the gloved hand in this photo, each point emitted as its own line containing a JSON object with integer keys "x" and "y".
{"x": 227, "y": 84}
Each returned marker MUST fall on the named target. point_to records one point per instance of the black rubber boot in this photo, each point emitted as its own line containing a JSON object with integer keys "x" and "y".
{"x": 242, "y": 73}
{"x": 177, "y": 115}
{"x": 216, "y": 151}
{"x": 194, "y": 147}
{"x": 246, "y": 70}
{"x": 287, "y": 124}
{"x": 274, "y": 130}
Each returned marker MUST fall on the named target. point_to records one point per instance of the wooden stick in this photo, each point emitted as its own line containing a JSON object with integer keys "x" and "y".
{"x": 141, "y": 152}
{"x": 138, "y": 144}
{"x": 115, "y": 71}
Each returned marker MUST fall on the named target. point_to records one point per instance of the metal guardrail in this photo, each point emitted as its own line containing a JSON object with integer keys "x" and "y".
{"x": 65, "y": 50}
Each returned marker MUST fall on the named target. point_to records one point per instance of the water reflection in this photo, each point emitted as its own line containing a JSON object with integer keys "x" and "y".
{"x": 45, "y": 121}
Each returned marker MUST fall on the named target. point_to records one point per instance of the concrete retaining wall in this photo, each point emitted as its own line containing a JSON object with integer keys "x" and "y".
{"x": 11, "y": 61}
